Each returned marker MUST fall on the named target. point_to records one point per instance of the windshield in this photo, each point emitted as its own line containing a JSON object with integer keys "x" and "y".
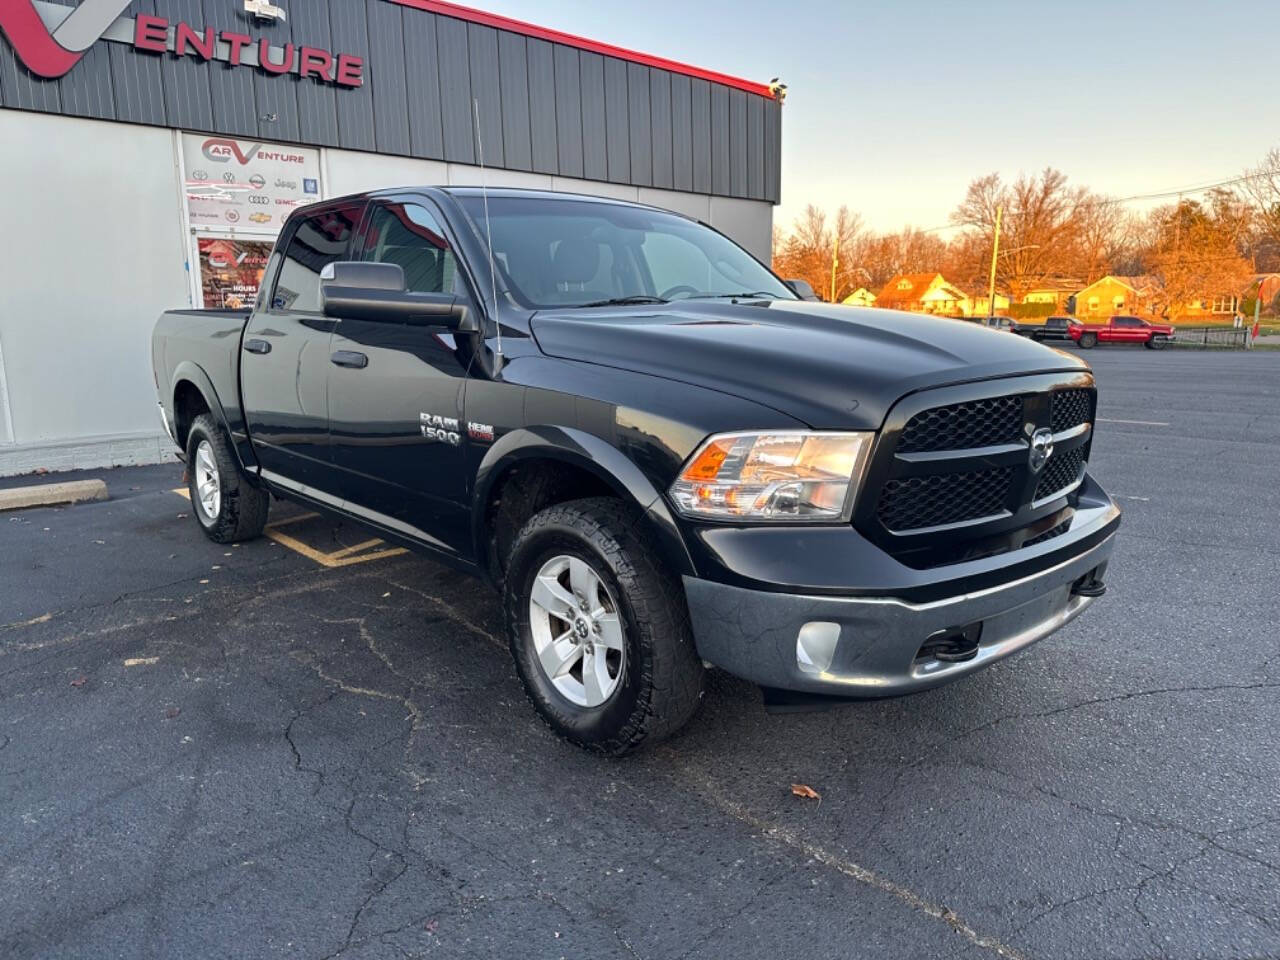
{"x": 571, "y": 253}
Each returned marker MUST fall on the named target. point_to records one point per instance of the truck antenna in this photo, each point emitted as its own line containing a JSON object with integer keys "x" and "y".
{"x": 488, "y": 232}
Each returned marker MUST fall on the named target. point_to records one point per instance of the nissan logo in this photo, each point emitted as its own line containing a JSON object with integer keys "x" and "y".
{"x": 1041, "y": 449}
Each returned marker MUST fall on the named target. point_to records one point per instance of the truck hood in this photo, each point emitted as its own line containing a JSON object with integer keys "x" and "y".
{"x": 829, "y": 366}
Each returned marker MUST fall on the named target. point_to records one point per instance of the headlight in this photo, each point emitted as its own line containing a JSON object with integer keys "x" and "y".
{"x": 772, "y": 476}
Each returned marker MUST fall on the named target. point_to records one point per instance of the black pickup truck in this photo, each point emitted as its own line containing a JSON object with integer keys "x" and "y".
{"x": 1053, "y": 328}
{"x": 661, "y": 456}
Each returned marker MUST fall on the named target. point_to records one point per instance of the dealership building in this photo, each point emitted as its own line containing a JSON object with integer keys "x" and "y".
{"x": 151, "y": 152}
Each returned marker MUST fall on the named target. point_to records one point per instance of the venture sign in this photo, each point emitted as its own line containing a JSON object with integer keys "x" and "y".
{"x": 50, "y": 41}
{"x": 152, "y": 33}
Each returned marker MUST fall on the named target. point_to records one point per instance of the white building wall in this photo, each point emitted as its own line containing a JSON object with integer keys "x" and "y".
{"x": 93, "y": 250}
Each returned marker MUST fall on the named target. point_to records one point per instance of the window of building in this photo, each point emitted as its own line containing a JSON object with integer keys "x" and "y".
{"x": 1224, "y": 305}
{"x": 316, "y": 242}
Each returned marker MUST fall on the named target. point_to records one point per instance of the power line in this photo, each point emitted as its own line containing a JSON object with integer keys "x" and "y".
{"x": 1112, "y": 201}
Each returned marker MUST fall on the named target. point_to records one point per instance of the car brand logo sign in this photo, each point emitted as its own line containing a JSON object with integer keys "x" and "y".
{"x": 260, "y": 217}
{"x": 1041, "y": 449}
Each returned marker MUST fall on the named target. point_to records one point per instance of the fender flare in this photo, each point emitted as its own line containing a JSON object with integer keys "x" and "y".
{"x": 192, "y": 372}
{"x": 588, "y": 452}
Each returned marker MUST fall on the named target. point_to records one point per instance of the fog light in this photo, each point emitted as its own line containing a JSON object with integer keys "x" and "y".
{"x": 816, "y": 646}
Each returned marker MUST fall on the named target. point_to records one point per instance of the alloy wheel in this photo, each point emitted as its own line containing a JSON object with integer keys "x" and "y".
{"x": 577, "y": 631}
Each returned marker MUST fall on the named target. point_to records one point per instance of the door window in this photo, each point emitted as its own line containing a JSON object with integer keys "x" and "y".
{"x": 316, "y": 242}
{"x": 409, "y": 235}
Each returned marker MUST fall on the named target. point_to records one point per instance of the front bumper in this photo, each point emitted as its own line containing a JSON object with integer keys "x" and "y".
{"x": 755, "y": 634}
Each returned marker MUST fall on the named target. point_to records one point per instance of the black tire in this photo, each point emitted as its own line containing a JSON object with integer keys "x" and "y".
{"x": 1157, "y": 343}
{"x": 242, "y": 507}
{"x": 660, "y": 683}
{"x": 1088, "y": 341}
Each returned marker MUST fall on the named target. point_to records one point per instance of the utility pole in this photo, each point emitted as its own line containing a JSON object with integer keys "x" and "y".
{"x": 835, "y": 262}
{"x": 995, "y": 252}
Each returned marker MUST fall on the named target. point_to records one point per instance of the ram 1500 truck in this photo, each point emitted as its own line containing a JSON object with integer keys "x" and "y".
{"x": 661, "y": 456}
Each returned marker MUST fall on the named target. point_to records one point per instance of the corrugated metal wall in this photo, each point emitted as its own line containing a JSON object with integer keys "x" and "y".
{"x": 544, "y": 106}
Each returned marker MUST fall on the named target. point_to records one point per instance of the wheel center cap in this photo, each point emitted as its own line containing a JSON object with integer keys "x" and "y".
{"x": 580, "y": 628}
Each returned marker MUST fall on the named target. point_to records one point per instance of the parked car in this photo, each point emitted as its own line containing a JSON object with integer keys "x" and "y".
{"x": 658, "y": 453}
{"x": 1053, "y": 328}
{"x": 1122, "y": 329}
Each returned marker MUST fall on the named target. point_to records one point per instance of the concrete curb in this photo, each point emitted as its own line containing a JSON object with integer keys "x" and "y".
{"x": 52, "y": 494}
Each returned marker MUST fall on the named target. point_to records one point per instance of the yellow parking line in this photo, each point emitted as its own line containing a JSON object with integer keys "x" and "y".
{"x": 347, "y": 551}
{"x": 345, "y": 557}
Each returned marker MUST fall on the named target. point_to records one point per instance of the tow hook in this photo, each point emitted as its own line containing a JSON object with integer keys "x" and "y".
{"x": 1089, "y": 586}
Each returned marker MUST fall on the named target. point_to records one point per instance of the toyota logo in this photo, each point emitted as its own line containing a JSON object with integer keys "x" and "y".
{"x": 1041, "y": 449}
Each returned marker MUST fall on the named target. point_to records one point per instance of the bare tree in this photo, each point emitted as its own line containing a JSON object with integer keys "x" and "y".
{"x": 1195, "y": 253}
{"x": 1262, "y": 192}
{"x": 808, "y": 251}
{"x": 1039, "y": 227}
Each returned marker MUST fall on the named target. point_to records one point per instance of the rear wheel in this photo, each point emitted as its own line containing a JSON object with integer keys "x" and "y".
{"x": 226, "y": 505}
{"x": 1088, "y": 341}
{"x": 599, "y": 629}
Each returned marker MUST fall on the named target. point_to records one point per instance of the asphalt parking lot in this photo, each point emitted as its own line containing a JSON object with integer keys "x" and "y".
{"x": 311, "y": 746}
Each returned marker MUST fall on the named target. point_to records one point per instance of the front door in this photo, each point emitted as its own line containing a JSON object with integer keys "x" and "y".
{"x": 284, "y": 355}
{"x": 396, "y": 389}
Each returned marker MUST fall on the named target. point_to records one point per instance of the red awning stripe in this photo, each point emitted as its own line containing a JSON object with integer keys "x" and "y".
{"x": 446, "y": 9}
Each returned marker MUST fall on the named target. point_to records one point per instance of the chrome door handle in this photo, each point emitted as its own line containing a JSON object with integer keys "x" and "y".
{"x": 254, "y": 345}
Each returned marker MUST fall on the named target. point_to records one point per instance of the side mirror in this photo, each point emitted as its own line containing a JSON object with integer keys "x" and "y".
{"x": 803, "y": 289}
{"x": 376, "y": 292}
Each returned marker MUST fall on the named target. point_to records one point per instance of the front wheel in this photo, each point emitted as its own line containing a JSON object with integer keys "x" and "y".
{"x": 1088, "y": 341}
{"x": 1157, "y": 343}
{"x": 599, "y": 628}
{"x": 226, "y": 505}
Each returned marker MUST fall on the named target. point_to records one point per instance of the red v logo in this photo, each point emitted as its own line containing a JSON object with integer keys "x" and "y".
{"x": 52, "y": 53}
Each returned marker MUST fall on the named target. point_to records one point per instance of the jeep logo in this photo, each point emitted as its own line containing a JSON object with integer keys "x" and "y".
{"x": 1041, "y": 449}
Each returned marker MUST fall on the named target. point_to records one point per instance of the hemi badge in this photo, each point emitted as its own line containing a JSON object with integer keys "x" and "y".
{"x": 480, "y": 431}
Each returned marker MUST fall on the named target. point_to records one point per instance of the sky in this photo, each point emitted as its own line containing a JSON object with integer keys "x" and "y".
{"x": 894, "y": 107}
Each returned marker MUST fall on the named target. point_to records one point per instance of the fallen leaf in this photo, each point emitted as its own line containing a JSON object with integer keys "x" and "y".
{"x": 182, "y": 516}
{"x": 432, "y": 926}
{"x": 79, "y": 681}
{"x": 204, "y": 581}
{"x": 806, "y": 791}
{"x": 172, "y": 712}
{"x": 99, "y": 541}
{"x": 141, "y": 661}
{"x": 387, "y": 594}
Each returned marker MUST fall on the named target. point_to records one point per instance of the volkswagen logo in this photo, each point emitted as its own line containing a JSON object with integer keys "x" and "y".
{"x": 1041, "y": 449}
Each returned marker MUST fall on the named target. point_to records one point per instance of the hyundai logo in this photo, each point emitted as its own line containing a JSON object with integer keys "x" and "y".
{"x": 1041, "y": 449}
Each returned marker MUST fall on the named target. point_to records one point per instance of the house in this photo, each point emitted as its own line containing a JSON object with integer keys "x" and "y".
{"x": 1053, "y": 290}
{"x": 862, "y": 297}
{"x": 979, "y": 306}
{"x": 1118, "y": 294}
{"x": 923, "y": 293}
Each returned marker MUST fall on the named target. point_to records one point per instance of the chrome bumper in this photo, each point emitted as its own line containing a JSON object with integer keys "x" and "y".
{"x": 757, "y": 635}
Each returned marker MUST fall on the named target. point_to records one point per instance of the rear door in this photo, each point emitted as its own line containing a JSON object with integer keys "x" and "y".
{"x": 396, "y": 389}
{"x": 284, "y": 356}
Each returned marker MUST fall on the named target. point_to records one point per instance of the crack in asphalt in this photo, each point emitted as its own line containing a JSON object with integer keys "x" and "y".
{"x": 863, "y": 875}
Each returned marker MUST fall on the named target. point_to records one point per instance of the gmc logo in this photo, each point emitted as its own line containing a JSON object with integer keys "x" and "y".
{"x": 52, "y": 54}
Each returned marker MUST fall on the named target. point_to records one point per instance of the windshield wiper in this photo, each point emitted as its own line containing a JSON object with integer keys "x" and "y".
{"x": 756, "y": 295}
{"x": 620, "y": 301}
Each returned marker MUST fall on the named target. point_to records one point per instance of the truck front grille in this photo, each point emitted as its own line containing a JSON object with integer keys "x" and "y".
{"x": 914, "y": 503}
{"x": 951, "y": 479}
{"x": 1070, "y": 408}
{"x": 1062, "y": 470}
{"x": 959, "y": 426}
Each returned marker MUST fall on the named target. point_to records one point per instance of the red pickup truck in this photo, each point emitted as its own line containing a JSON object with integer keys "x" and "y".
{"x": 1154, "y": 336}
